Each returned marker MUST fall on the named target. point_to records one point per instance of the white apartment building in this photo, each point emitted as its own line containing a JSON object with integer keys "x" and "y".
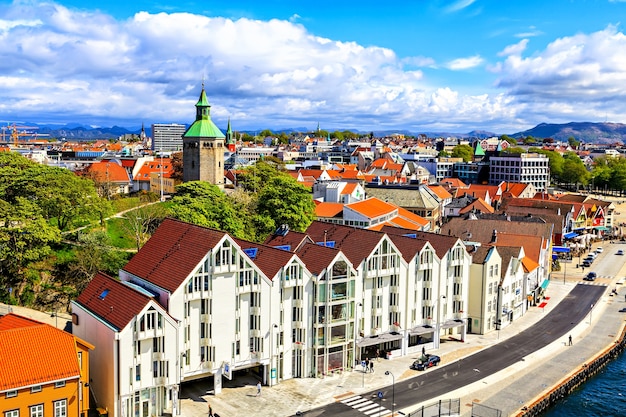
{"x": 528, "y": 168}
{"x": 197, "y": 303}
{"x": 167, "y": 136}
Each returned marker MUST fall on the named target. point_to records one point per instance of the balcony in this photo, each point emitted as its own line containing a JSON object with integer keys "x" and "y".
{"x": 158, "y": 356}
{"x": 255, "y": 311}
{"x": 297, "y": 303}
{"x": 297, "y": 325}
{"x": 255, "y": 333}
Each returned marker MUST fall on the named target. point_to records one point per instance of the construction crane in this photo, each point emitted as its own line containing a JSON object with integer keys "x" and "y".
{"x": 17, "y": 132}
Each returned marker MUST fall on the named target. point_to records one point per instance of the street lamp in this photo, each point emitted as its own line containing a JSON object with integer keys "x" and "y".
{"x": 393, "y": 392}
{"x": 438, "y": 327}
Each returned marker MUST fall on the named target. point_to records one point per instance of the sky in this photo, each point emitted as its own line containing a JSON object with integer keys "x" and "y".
{"x": 411, "y": 65}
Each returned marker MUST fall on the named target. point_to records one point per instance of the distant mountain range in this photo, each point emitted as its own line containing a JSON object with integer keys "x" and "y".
{"x": 582, "y": 131}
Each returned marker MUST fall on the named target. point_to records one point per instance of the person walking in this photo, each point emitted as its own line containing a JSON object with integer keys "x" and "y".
{"x": 372, "y": 366}
{"x": 210, "y": 411}
{"x": 258, "y": 388}
{"x": 367, "y": 364}
{"x": 570, "y": 340}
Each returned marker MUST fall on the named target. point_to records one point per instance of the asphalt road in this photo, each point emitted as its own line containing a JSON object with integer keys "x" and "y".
{"x": 438, "y": 381}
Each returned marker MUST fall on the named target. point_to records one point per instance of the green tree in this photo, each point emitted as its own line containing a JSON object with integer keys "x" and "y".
{"x": 509, "y": 139}
{"x": 287, "y": 202}
{"x": 573, "y": 142}
{"x": 463, "y": 151}
{"x": 574, "y": 171}
{"x": 204, "y": 204}
{"x": 555, "y": 162}
{"x": 25, "y": 238}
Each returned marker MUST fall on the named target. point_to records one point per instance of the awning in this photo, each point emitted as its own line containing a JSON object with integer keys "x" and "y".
{"x": 421, "y": 330}
{"x": 602, "y": 228}
{"x": 560, "y": 249}
{"x": 570, "y": 235}
{"x": 545, "y": 283}
{"x": 452, "y": 323}
{"x": 381, "y": 338}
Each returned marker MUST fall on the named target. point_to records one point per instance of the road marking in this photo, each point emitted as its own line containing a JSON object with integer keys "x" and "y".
{"x": 365, "y": 406}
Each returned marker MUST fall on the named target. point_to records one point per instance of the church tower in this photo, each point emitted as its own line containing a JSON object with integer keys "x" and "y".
{"x": 203, "y": 147}
{"x": 230, "y": 141}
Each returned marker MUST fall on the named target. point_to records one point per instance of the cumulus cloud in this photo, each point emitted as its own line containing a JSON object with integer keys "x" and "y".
{"x": 464, "y": 63}
{"x": 65, "y": 65}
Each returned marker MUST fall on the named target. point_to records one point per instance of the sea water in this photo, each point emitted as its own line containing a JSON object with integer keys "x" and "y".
{"x": 603, "y": 395}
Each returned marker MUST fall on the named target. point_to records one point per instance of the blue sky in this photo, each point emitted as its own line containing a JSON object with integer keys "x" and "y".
{"x": 417, "y": 65}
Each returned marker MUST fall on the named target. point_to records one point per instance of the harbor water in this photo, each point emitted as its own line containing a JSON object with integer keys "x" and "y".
{"x": 603, "y": 395}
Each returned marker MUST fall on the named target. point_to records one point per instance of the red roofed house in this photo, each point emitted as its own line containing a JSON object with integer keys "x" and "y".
{"x": 44, "y": 371}
{"x": 110, "y": 177}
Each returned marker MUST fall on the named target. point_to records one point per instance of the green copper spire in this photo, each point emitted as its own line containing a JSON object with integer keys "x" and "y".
{"x": 203, "y": 127}
{"x": 479, "y": 150}
{"x": 229, "y": 134}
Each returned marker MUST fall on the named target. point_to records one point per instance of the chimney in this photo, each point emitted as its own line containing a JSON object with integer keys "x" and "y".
{"x": 494, "y": 236}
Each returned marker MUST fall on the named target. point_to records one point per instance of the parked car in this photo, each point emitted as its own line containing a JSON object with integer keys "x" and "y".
{"x": 622, "y": 310}
{"x": 586, "y": 264}
{"x": 430, "y": 361}
{"x": 619, "y": 252}
{"x": 590, "y": 276}
{"x": 599, "y": 250}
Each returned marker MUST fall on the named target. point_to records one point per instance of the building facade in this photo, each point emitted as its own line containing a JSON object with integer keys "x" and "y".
{"x": 528, "y": 168}
{"x": 167, "y": 136}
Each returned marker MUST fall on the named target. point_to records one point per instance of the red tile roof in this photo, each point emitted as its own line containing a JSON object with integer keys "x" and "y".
{"x": 357, "y": 244}
{"x": 324, "y": 209}
{"x": 107, "y": 171}
{"x": 317, "y": 258}
{"x": 372, "y": 207}
{"x": 173, "y": 253}
{"x": 34, "y": 354}
{"x": 112, "y": 301}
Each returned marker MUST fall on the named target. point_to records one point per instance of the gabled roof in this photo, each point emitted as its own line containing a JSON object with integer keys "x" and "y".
{"x": 453, "y": 182}
{"x": 34, "y": 353}
{"x": 291, "y": 239}
{"x": 479, "y": 205}
{"x": 408, "y": 247}
{"x": 268, "y": 259}
{"x": 112, "y": 301}
{"x": 173, "y": 252}
{"x": 149, "y": 167}
{"x": 357, "y": 244}
{"x": 441, "y": 243}
{"x": 317, "y": 258}
{"x": 514, "y": 188}
{"x": 107, "y": 171}
{"x": 482, "y": 229}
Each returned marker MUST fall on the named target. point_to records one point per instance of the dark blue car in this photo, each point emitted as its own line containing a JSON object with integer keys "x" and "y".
{"x": 428, "y": 362}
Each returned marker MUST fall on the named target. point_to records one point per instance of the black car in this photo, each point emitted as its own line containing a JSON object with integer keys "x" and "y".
{"x": 590, "y": 276}
{"x": 586, "y": 264}
{"x": 428, "y": 362}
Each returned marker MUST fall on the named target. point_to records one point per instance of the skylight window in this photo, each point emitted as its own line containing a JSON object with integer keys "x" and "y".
{"x": 104, "y": 294}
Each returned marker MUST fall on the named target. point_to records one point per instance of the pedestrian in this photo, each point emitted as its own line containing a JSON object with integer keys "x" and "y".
{"x": 423, "y": 351}
{"x": 210, "y": 411}
{"x": 367, "y": 364}
{"x": 258, "y": 388}
{"x": 372, "y": 366}
{"x": 570, "y": 340}
{"x": 377, "y": 355}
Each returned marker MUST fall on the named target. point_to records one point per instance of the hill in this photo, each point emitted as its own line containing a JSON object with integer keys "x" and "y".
{"x": 581, "y": 131}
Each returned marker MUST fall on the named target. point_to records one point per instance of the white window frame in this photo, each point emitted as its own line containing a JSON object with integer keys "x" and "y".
{"x": 60, "y": 408}
{"x": 36, "y": 410}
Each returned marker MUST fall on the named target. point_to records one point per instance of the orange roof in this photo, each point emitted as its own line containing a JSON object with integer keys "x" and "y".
{"x": 35, "y": 353}
{"x": 107, "y": 171}
{"x": 328, "y": 209}
{"x": 154, "y": 166}
{"x": 372, "y": 207}
{"x": 529, "y": 265}
{"x": 515, "y": 188}
{"x": 441, "y": 192}
{"x": 478, "y": 204}
{"x": 352, "y": 175}
{"x": 349, "y": 188}
{"x": 532, "y": 244}
{"x": 454, "y": 182}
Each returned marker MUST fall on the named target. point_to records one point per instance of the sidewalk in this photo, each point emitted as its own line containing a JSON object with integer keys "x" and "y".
{"x": 290, "y": 396}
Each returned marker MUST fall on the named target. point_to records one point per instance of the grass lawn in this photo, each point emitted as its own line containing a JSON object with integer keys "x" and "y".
{"x": 119, "y": 233}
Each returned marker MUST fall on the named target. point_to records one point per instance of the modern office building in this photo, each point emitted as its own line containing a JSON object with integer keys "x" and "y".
{"x": 167, "y": 136}
{"x": 529, "y": 168}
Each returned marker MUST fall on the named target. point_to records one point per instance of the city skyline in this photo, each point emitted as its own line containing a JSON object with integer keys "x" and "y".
{"x": 433, "y": 65}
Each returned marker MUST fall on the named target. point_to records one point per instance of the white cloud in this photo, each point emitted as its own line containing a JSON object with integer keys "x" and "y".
{"x": 464, "y": 63}
{"x": 459, "y": 5}
{"x": 63, "y": 65}
{"x": 531, "y": 32}
{"x": 515, "y": 49}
